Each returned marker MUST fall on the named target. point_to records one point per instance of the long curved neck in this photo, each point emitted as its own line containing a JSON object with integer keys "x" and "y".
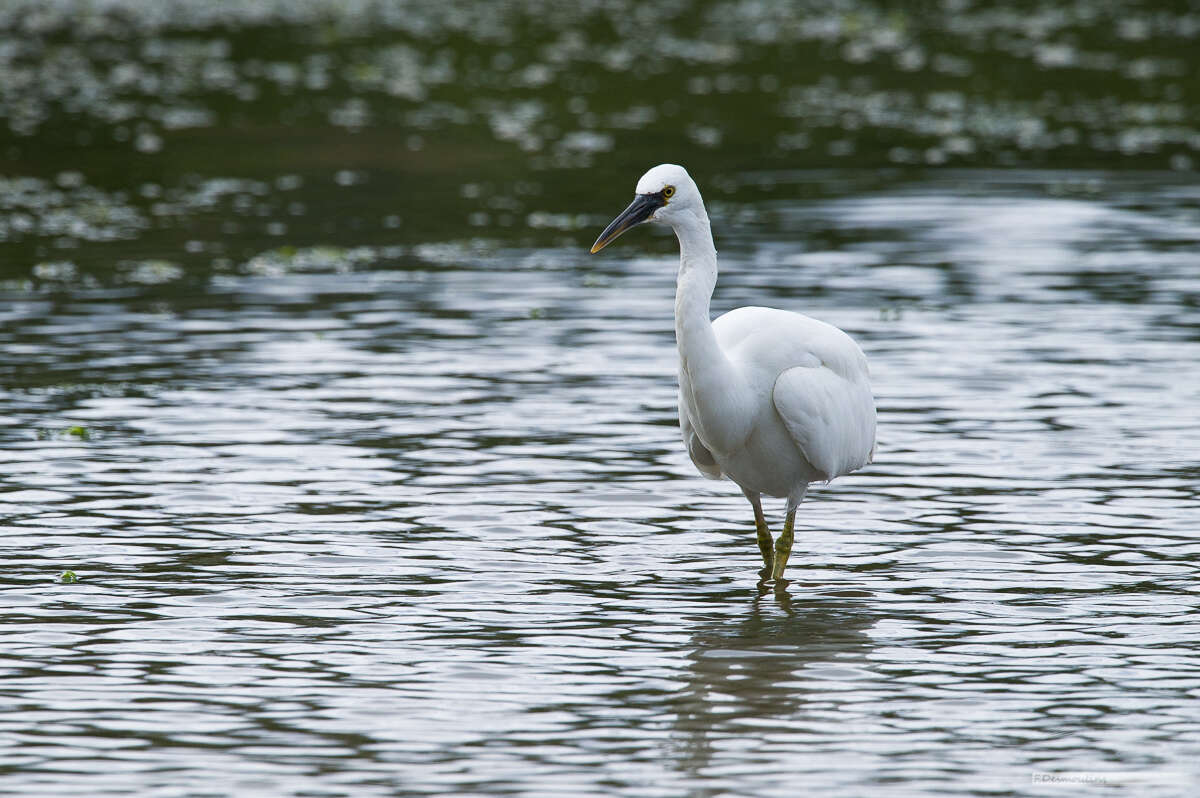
{"x": 712, "y": 379}
{"x": 694, "y": 285}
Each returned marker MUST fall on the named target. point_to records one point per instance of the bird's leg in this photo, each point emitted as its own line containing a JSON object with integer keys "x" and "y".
{"x": 783, "y": 546}
{"x": 765, "y": 544}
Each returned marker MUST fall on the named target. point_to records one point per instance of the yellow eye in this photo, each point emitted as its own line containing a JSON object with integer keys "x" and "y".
{"x": 668, "y": 192}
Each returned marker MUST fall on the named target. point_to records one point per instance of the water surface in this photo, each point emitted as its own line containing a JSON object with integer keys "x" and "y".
{"x": 371, "y": 477}
{"x": 424, "y": 525}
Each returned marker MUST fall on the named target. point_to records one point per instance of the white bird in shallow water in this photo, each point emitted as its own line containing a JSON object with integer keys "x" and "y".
{"x": 769, "y": 399}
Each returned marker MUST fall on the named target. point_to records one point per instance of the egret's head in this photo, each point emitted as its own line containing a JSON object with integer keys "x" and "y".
{"x": 662, "y": 194}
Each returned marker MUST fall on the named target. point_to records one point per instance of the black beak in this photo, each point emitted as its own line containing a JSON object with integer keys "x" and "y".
{"x": 639, "y": 210}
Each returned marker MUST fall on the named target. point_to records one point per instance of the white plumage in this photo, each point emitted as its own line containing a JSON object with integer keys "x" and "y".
{"x": 770, "y": 399}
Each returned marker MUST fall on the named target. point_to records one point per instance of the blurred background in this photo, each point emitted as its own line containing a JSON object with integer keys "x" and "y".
{"x": 184, "y": 138}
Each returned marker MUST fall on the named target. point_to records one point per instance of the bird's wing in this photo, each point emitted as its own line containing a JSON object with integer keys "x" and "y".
{"x": 830, "y": 417}
{"x": 699, "y": 453}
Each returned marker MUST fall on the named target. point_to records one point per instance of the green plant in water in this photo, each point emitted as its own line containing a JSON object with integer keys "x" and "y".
{"x": 51, "y": 433}
{"x": 68, "y": 577}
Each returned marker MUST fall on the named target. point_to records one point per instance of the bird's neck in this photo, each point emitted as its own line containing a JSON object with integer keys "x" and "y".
{"x": 695, "y": 282}
{"x": 712, "y": 379}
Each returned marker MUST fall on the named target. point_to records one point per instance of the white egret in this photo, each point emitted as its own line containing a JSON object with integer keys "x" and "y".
{"x": 769, "y": 399}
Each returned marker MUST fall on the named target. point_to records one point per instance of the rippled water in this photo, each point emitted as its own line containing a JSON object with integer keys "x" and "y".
{"x": 420, "y": 522}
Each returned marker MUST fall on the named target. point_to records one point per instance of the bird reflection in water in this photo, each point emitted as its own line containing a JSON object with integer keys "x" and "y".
{"x": 749, "y": 675}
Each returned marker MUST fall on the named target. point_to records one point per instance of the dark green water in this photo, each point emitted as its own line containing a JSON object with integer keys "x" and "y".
{"x": 370, "y": 474}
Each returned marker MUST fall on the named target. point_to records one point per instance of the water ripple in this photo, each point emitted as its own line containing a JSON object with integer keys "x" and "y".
{"x": 408, "y": 537}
